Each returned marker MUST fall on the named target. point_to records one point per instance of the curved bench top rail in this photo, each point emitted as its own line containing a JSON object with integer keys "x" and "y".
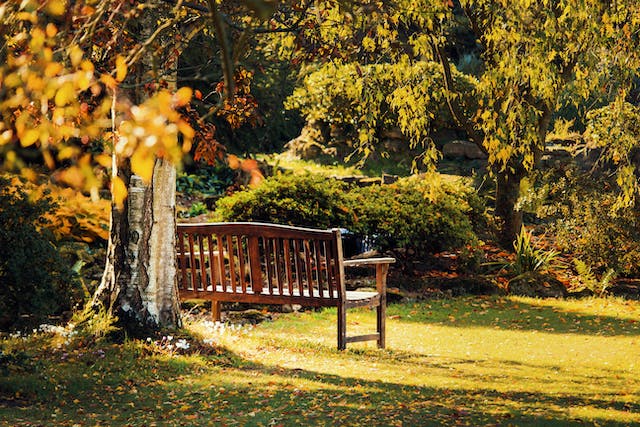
{"x": 256, "y": 229}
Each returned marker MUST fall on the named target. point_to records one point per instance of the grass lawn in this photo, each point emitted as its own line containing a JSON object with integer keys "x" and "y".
{"x": 463, "y": 361}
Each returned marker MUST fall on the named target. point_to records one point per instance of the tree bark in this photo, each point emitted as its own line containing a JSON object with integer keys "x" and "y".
{"x": 139, "y": 282}
{"x": 507, "y": 194}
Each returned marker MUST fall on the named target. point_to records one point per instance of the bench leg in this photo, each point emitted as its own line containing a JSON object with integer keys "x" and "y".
{"x": 342, "y": 327}
{"x": 215, "y": 311}
{"x": 381, "y": 286}
{"x": 381, "y": 312}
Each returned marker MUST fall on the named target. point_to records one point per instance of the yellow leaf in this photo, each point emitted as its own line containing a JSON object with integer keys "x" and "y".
{"x": 67, "y": 152}
{"x": 29, "y": 137}
{"x": 182, "y": 96}
{"x": 52, "y": 69}
{"x": 121, "y": 69}
{"x": 109, "y": 81}
{"x": 119, "y": 192}
{"x": 56, "y": 7}
{"x": 186, "y": 130}
{"x": 103, "y": 160}
{"x": 65, "y": 94}
{"x": 51, "y": 30}
{"x": 73, "y": 176}
{"x": 37, "y": 40}
{"x": 142, "y": 163}
{"x": 76, "y": 55}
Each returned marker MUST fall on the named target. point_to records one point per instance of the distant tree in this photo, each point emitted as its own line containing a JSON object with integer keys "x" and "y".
{"x": 533, "y": 59}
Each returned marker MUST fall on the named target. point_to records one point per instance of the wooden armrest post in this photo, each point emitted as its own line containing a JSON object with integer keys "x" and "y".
{"x": 381, "y": 310}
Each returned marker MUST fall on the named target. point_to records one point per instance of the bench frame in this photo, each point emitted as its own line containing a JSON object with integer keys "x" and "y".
{"x": 275, "y": 264}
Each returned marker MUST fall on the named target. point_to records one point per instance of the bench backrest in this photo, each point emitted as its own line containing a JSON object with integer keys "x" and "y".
{"x": 264, "y": 259}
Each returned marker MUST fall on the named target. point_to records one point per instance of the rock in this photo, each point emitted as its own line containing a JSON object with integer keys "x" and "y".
{"x": 537, "y": 285}
{"x": 464, "y": 149}
{"x": 291, "y": 308}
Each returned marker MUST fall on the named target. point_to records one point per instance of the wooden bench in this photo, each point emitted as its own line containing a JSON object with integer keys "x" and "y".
{"x": 275, "y": 264}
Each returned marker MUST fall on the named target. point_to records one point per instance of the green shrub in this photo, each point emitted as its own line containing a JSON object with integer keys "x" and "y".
{"x": 34, "y": 279}
{"x": 412, "y": 218}
{"x": 303, "y": 200}
{"x": 419, "y": 215}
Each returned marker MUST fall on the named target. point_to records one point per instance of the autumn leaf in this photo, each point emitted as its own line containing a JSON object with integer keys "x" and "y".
{"x": 142, "y": 164}
{"x": 29, "y": 137}
{"x": 182, "y": 96}
{"x": 121, "y": 69}
{"x": 118, "y": 192}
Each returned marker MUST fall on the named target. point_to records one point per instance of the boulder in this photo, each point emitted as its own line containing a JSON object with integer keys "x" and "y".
{"x": 462, "y": 149}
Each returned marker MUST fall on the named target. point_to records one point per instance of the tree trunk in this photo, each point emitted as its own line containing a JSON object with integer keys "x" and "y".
{"x": 139, "y": 282}
{"x": 507, "y": 194}
{"x": 138, "y": 285}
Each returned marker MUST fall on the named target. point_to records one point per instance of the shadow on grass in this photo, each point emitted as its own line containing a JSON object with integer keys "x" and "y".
{"x": 504, "y": 313}
{"x": 226, "y": 389}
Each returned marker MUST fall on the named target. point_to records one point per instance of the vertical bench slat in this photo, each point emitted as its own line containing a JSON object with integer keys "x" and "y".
{"x": 254, "y": 265}
{"x": 203, "y": 266}
{"x": 221, "y": 269}
{"x": 269, "y": 261}
{"x": 192, "y": 263}
{"x": 297, "y": 255}
{"x": 319, "y": 274}
{"x": 328, "y": 250}
{"x": 242, "y": 263}
{"x": 232, "y": 268}
{"x": 307, "y": 260}
{"x": 279, "y": 266}
{"x": 183, "y": 262}
{"x": 288, "y": 264}
{"x": 212, "y": 263}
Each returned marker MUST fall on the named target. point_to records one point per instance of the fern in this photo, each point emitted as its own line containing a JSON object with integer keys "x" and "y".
{"x": 590, "y": 281}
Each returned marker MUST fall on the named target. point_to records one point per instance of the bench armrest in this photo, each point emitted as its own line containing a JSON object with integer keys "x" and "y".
{"x": 382, "y": 268}
{"x": 367, "y": 261}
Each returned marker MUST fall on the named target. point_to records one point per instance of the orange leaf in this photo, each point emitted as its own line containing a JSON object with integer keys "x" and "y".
{"x": 249, "y": 165}
{"x": 233, "y": 161}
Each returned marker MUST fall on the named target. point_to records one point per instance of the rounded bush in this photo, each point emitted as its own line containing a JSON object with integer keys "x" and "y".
{"x": 421, "y": 215}
{"x": 35, "y": 282}
{"x": 302, "y": 200}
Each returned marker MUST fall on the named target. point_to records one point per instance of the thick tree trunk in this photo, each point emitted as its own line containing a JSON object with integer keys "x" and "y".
{"x": 139, "y": 282}
{"x": 507, "y": 194}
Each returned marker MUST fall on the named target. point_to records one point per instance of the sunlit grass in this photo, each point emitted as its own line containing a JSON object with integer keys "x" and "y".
{"x": 463, "y": 361}
{"x": 292, "y": 163}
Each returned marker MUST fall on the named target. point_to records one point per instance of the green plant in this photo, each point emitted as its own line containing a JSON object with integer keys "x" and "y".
{"x": 35, "y": 281}
{"x": 412, "y": 218}
{"x": 305, "y": 200}
{"x": 418, "y": 216}
{"x": 209, "y": 180}
{"x": 528, "y": 258}
{"x": 589, "y": 280}
{"x": 198, "y": 208}
{"x": 579, "y": 207}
